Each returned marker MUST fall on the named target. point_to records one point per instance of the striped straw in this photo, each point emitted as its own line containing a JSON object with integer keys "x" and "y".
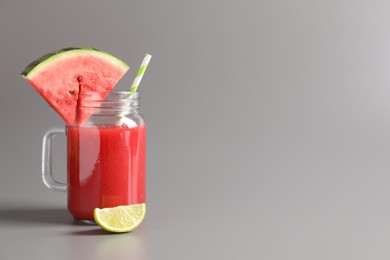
{"x": 140, "y": 72}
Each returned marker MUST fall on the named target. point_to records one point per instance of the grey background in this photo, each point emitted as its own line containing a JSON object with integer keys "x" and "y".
{"x": 268, "y": 128}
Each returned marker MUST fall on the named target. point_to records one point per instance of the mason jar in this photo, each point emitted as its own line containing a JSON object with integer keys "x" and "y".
{"x": 106, "y": 155}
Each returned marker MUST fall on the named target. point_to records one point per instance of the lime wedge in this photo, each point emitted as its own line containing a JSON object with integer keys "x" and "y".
{"x": 120, "y": 219}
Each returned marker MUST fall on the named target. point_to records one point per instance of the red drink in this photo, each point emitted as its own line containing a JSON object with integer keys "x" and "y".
{"x": 106, "y": 167}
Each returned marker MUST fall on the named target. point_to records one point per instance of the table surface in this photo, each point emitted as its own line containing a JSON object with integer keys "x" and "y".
{"x": 268, "y": 128}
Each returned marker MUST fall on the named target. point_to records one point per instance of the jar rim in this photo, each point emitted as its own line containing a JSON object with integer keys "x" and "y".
{"x": 113, "y": 91}
{"x": 116, "y": 92}
{"x": 105, "y": 96}
{"x": 113, "y": 100}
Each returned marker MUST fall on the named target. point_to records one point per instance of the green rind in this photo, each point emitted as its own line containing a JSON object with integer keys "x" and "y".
{"x": 52, "y": 56}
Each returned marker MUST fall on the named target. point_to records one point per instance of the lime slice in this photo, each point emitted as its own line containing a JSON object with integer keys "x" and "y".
{"x": 120, "y": 219}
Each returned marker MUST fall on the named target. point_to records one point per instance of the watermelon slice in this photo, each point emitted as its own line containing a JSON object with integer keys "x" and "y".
{"x": 60, "y": 76}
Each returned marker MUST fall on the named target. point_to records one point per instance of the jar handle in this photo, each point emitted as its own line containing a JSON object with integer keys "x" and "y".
{"x": 47, "y": 174}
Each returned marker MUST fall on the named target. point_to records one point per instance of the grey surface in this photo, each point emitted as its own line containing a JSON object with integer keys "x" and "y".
{"x": 268, "y": 128}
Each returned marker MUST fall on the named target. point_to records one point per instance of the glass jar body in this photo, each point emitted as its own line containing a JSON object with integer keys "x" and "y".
{"x": 106, "y": 155}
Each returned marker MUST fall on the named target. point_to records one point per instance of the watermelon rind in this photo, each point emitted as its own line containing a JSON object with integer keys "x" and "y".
{"x": 51, "y": 57}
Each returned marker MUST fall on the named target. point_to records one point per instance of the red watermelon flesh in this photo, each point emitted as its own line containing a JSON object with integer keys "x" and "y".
{"x": 60, "y": 76}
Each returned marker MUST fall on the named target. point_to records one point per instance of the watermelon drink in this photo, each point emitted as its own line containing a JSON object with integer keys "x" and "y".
{"x": 106, "y": 167}
{"x": 105, "y": 132}
{"x": 105, "y": 154}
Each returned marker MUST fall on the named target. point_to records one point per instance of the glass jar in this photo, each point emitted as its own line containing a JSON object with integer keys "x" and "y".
{"x": 105, "y": 154}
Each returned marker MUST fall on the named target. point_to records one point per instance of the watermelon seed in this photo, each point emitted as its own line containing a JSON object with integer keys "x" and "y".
{"x": 79, "y": 79}
{"x": 72, "y": 92}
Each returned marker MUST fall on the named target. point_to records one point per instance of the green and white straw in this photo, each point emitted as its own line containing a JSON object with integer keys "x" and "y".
{"x": 140, "y": 72}
{"x": 122, "y": 119}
